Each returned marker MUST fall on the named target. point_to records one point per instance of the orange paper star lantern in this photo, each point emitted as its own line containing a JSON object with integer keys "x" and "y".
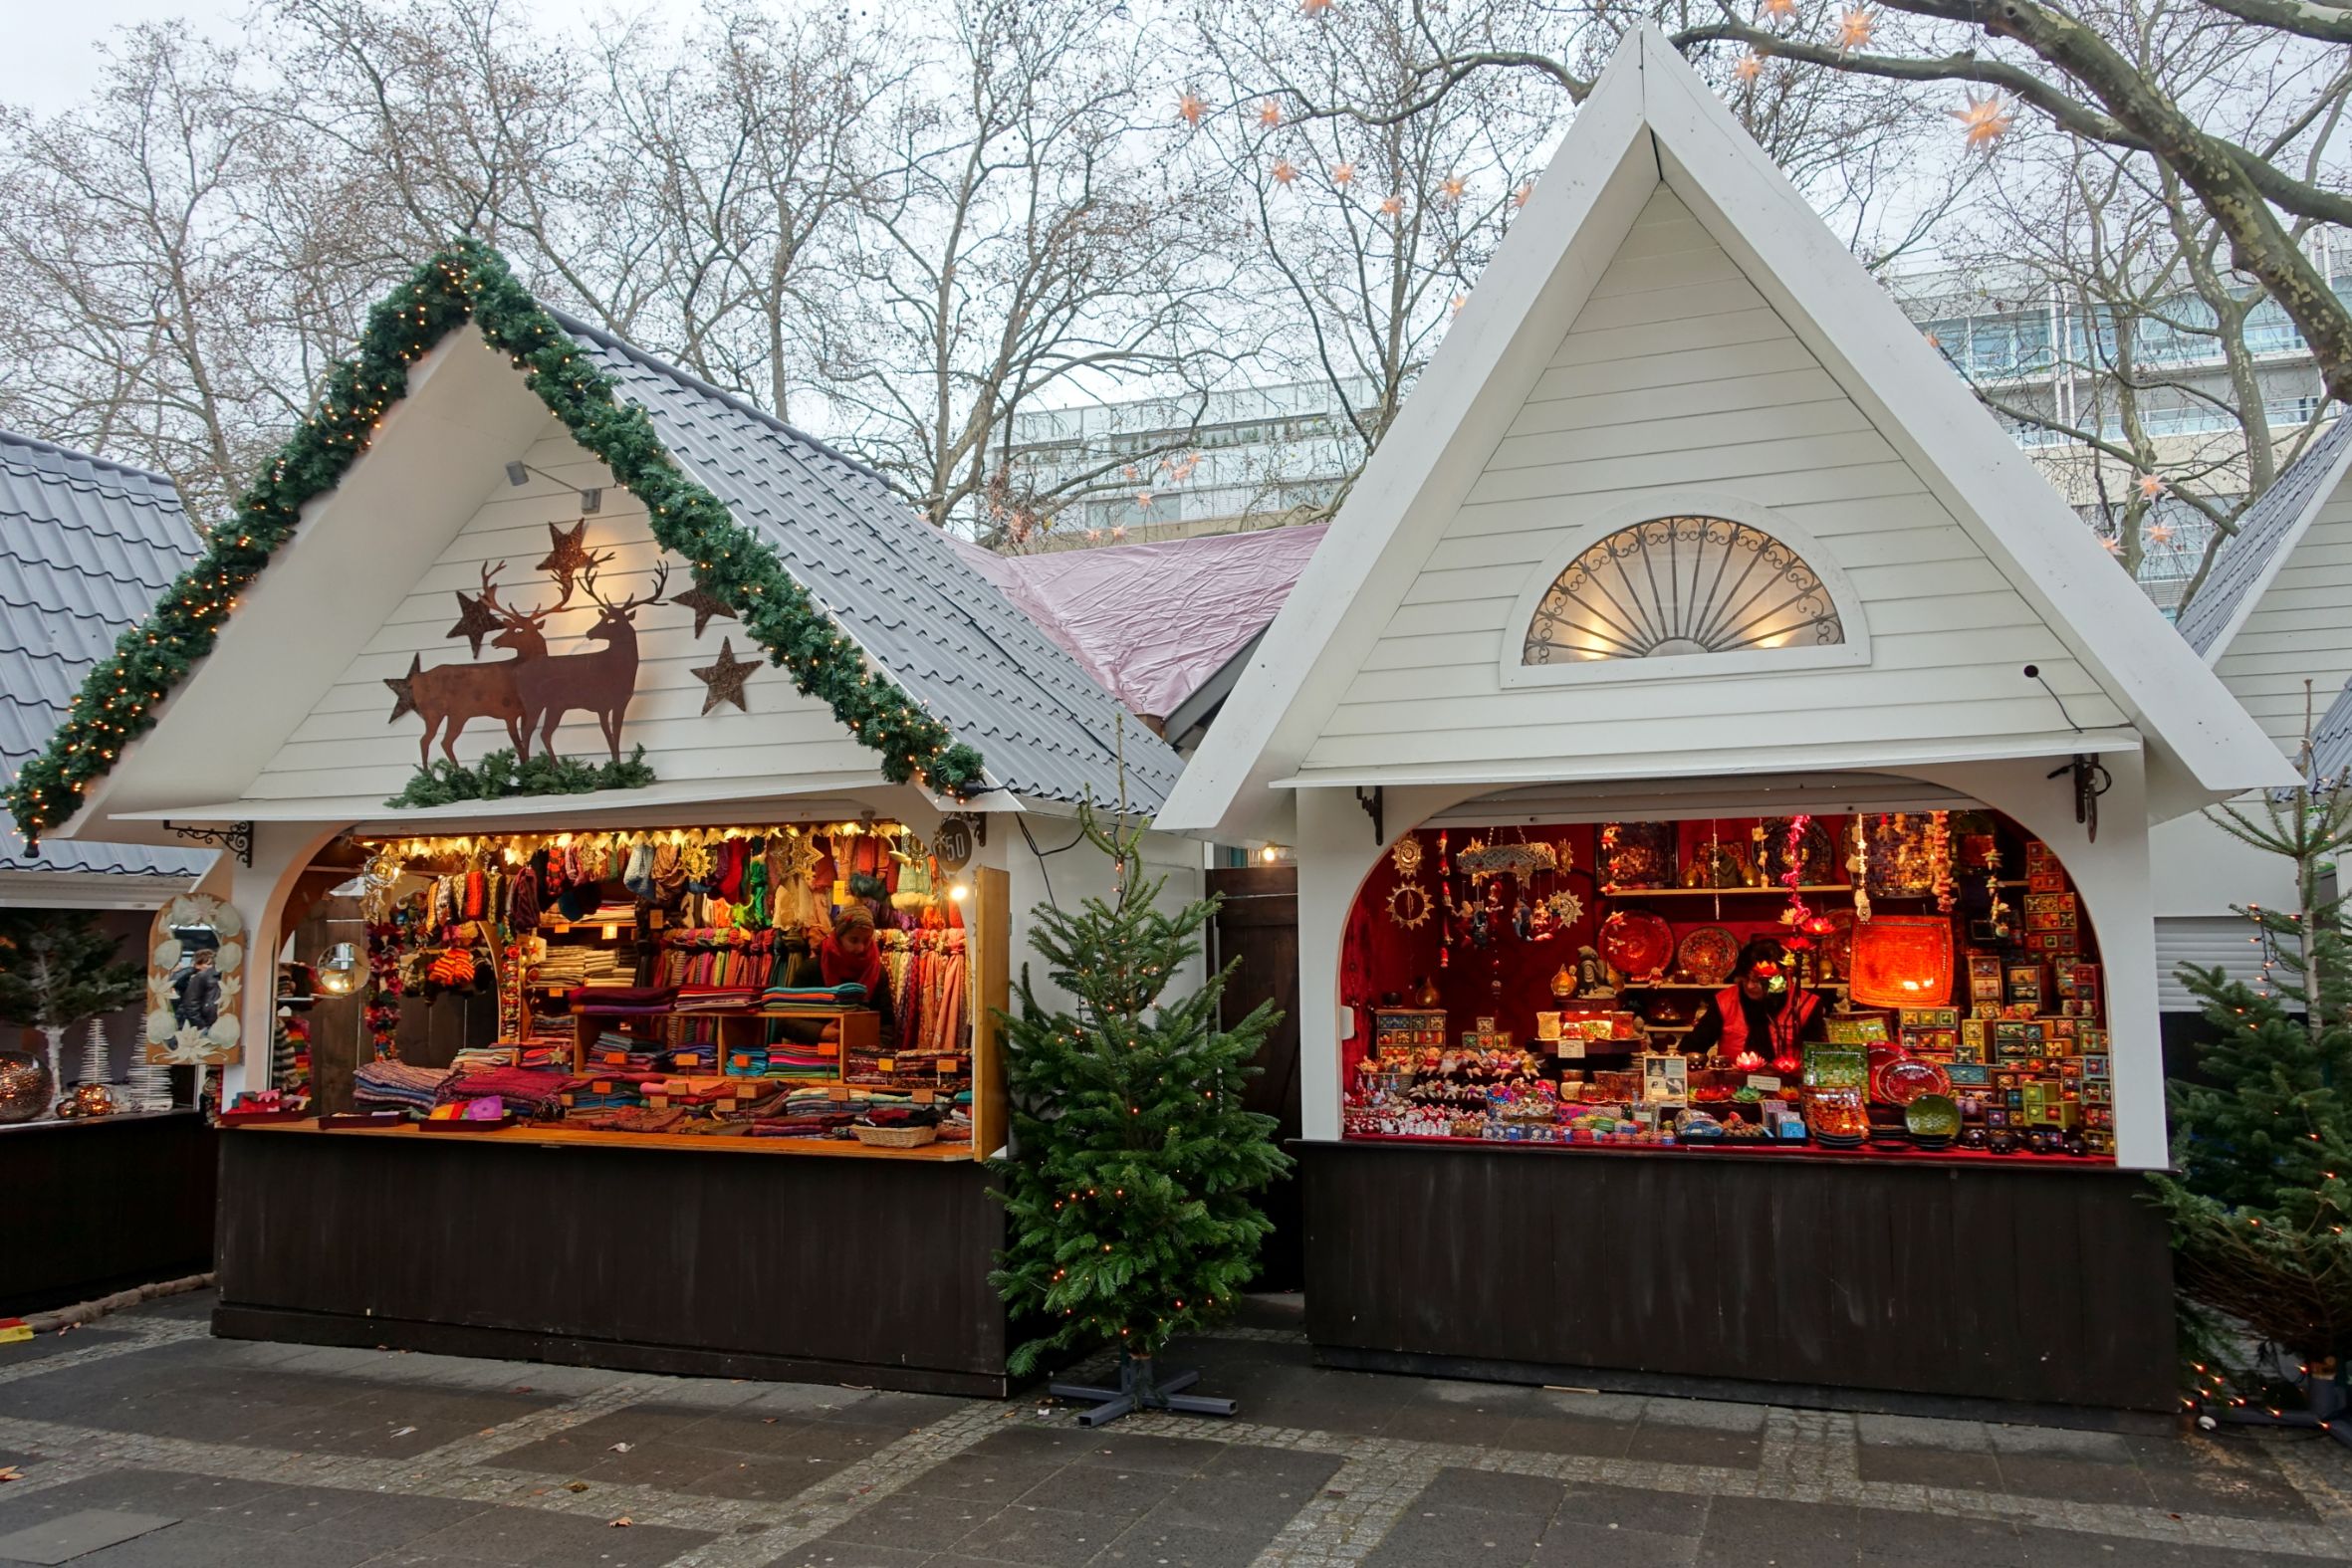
{"x": 2160, "y": 534}
{"x": 2151, "y": 486}
{"x": 1342, "y": 174}
{"x": 1284, "y": 171}
{"x": 1314, "y": 7}
{"x": 1779, "y": 10}
{"x": 1459, "y": 299}
{"x": 1750, "y": 67}
{"x": 1985, "y": 121}
{"x": 1855, "y": 28}
{"x": 1454, "y": 188}
{"x": 1525, "y": 194}
{"x": 1269, "y": 114}
{"x": 1390, "y": 206}
{"x": 1189, "y": 109}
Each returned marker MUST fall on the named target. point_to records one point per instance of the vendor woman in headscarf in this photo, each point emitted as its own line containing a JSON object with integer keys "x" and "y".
{"x": 851, "y": 954}
{"x": 1761, "y": 1017}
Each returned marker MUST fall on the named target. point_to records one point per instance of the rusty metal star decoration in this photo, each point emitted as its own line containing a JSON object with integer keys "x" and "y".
{"x": 726, "y": 678}
{"x": 704, "y": 606}
{"x": 569, "y": 557}
{"x": 475, "y": 619}
{"x": 405, "y": 688}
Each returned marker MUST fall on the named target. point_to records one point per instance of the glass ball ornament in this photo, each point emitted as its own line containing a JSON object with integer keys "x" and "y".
{"x": 24, "y": 1086}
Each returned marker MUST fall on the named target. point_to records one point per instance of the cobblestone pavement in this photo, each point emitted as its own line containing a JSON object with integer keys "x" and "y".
{"x": 144, "y": 1442}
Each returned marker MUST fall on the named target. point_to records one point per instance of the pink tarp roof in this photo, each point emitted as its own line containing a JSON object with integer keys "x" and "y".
{"x": 1152, "y": 623}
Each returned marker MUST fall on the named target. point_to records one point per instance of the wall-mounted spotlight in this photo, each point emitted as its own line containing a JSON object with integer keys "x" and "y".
{"x": 590, "y": 500}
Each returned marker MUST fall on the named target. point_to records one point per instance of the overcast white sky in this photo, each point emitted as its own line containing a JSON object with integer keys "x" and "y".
{"x": 52, "y": 56}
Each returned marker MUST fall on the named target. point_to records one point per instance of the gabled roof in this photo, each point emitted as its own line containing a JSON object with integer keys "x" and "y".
{"x": 2331, "y": 738}
{"x": 1154, "y": 622}
{"x": 1650, "y": 118}
{"x": 871, "y": 613}
{"x": 2267, "y": 534}
{"x": 914, "y": 603}
{"x": 85, "y": 547}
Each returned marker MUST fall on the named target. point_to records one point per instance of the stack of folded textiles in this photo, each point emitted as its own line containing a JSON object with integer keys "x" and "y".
{"x": 630, "y": 1118}
{"x": 695, "y": 1057}
{"x": 787, "y": 1061}
{"x": 622, "y": 1001}
{"x": 724, "y": 996}
{"x": 544, "y": 1055}
{"x": 563, "y": 966}
{"x": 525, "y": 1093}
{"x": 613, "y": 1050}
{"x": 746, "y": 1061}
{"x": 394, "y": 1085}
{"x": 843, "y": 996}
{"x": 603, "y": 967}
{"x": 823, "y": 1125}
{"x": 474, "y": 1057}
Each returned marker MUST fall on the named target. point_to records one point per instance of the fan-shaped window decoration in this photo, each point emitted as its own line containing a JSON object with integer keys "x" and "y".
{"x": 1681, "y": 585}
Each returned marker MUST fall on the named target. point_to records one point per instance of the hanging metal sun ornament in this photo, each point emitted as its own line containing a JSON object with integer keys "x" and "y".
{"x": 1565, "y": 907}
{"x": 1406, "y": 856}
{"x": 1409, "y": 905}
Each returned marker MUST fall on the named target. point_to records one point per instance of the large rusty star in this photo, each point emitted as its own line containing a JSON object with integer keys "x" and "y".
{"x": 704, "y": 606}
{"x": 569, "y": 557}
{"x": 726, "y": 678}
{"x": 475, "y": 619}
{"x": 405, "y": 688}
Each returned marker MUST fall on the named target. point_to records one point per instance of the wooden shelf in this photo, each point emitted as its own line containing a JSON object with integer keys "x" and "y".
{"x": 558, "y": 1135}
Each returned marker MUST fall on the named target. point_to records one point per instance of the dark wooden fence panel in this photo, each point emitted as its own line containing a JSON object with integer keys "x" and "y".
{"x": 100, "y": 1205}
{"x": 1258, "y": 924}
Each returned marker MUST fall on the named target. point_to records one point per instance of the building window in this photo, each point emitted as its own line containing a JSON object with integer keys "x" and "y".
{"x": 1681, "y": 585}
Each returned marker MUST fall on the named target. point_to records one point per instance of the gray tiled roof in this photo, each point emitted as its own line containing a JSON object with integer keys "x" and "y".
{"x": 2331, "y": 741}
{"x": 2266, "y": 528}
{"x": 85, "y": 546}
{"x": 936, "y": 626}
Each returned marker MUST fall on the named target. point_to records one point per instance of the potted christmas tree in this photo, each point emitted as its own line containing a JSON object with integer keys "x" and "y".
{"x": 2260, "y": 1194}
{"x": 1132, "y": 1186}
{"x": 57, "y": 971}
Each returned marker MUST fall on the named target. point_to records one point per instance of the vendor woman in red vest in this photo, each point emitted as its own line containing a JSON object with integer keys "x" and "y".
{"x": 1761, "y": 1017}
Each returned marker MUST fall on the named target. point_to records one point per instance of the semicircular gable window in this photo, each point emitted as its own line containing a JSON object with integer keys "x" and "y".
{"x": 1681, "y": 585}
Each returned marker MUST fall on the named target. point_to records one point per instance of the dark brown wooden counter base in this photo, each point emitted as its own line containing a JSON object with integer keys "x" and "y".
{"x": 2033, "y": 1286}
{"x": 100, "y": 1205}
{"x": 866, "y": 1272}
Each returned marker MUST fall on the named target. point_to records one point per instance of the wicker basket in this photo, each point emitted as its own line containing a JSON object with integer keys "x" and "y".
{"x": 895, "y": 1137}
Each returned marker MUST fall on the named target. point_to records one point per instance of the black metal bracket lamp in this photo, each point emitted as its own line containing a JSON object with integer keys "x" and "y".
{"x": 518, "y": 474}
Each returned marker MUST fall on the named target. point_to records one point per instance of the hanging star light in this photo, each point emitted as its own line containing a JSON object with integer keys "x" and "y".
{"x": 1750, "y": 67}
{"x": 1094, "y": 536}
{"x": 1143, "y": 500}
{"x": 1390, "y": 206}
{"x": 1459, "y": 299}
{"x": 1454, "y": 188}
{"x": 1854, "y": 27}
{"x": 2160, "y": 533}
{"x": 1779, "y": 10}
{"x": 1342, "y": 174}
{"x": 1189, "y": 107}
{"x": 2151, "y": 486}
{"x": 1525, "y": 194}
{"x": 1284, "y": 171}
{"x": 1985, "y": 121}
{"x": 724, "y": 680}
{"x": 2111, "y": 545}
{"x": 1314, "y": 7}
{"x": 1269, "y": 114}
{"x": 1118, "y": 533}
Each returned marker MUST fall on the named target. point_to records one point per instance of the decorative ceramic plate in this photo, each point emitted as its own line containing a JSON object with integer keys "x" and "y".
{"x": 1636, "y": 943}
{"x": 1906, "y": 1082}
{"x": 1707, "y": 953}
{"x": 1933, "y": 1116}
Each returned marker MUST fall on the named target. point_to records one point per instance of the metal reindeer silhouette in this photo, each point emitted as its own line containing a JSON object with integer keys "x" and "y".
{"x": 601, "y": 680}
{"x": 452, "y": 696}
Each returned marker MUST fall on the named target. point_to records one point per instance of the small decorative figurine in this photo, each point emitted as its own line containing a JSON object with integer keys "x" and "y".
{"x": 1592, "y": 976}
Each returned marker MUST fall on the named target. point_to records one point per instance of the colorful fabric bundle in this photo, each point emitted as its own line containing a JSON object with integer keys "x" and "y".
{"x": 453, "y": 968}
{"x": 844, "y": 996}
{"x": 528, "y": 1093}
{"x": 394, "y": 1085}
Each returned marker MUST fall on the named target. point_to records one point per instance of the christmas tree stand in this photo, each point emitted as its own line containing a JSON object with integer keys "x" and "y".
{"x": 1139, "y": 1390}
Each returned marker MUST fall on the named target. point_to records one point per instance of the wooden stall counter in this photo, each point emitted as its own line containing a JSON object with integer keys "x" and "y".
{"x": 555, "y": 1135}
{"x": 833, "y": 1263}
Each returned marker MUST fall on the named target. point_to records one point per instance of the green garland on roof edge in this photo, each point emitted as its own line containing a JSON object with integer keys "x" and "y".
{"x": 471, "y": 281}
{"x": 498, "y": 776}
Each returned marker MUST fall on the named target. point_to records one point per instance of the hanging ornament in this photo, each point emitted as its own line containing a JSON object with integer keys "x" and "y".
{"x": 1940, "y": 860}
{"x": 1779, "y": 10}
{"x": 1406, "y": 856}
{"x": 1392, "y": 206}
{"x": 1409, "y": 905}
{"x": 1342, "y": 174}
{"x": 1854, "y": 27}
{"x": 1858, "y": 866}
{"x": 1316, "y": 8}
{"x": 1798, "y": 913}
{"x": 1985, "y": 121}
{"x": 1284, "y": 171}
{"x": 1453, "y": 187}
{"x": 1567, "y": 908}
{"x": 1189, "y": 107}
{"x": 1750, "y": 67}
{"x": 1269, "y": 114}
{"x": 2160, "y": 534}
{"x": 1459, "y": 299}
{"x": 1525, "y": 194}
{"x": 2151, "y": 486}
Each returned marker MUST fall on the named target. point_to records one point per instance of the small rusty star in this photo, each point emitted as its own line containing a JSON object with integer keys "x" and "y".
{"x": 475, "y": 619}
{"x": 726, "y": 678}
{"x": 569, "y": 557}
{"x": 405, "y": 688}
{"x": 704, "y": 606}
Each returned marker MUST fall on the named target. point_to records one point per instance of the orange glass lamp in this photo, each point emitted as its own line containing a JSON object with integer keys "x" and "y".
{"x": 1902, "y": 961}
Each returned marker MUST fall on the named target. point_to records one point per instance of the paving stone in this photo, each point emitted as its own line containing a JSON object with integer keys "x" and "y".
{"x": 2060, "y": 1442}
{"x": 1631, "y": 1509}
{"x": 1919, "y": 1432}
{"x": 1303, "y": 1469}
{"x": 1675, "y": 1444}
{"x": 391, "y": 1520}
{"x": 1770, "y": 1531}
{"x": 168, "y": 1492}
{"x": 41, "y": 1347}
{"x": 534, "y": 1535}
{"x": 1234, "y": 1502}
{"x": 200, "y": 1544}
{"x": 2075, "y": 1479}
{"x": 1953, "y": 1468}
{"x": 912, "y": 1521}
{"x": 1714, "y": 1415}
{"x": 984, "y": 1478}
{"x": 903, "y": 1411}
{"x": 66, "y": 1536}
{"x": 830, "y": 1553}
{"x": 1493, "y": 1491}
{"x": 1100, "y": 1490}
{"x": 1045, "y": 1538}
{"x": 758, "y": 1479}
{"x": 2252, "y": 1489}
{"x": 1923, "y": 1538}
{"x": 288, "y": 1508}
{"x": 1150, "y": 1545}
{"x": 1607, "y": 1548}
{"x": 1142, "y": 1451}
{"x": 1606, "y": 1439}
{"x": 1442, "y": 1537}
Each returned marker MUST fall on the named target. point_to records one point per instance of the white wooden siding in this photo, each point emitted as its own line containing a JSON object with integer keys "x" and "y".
{"x": 1676, "y": 374}
{"x": 346, "y": 747}
{"x": 2220, "y": 942}
{"x": 2302, "y": 628}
